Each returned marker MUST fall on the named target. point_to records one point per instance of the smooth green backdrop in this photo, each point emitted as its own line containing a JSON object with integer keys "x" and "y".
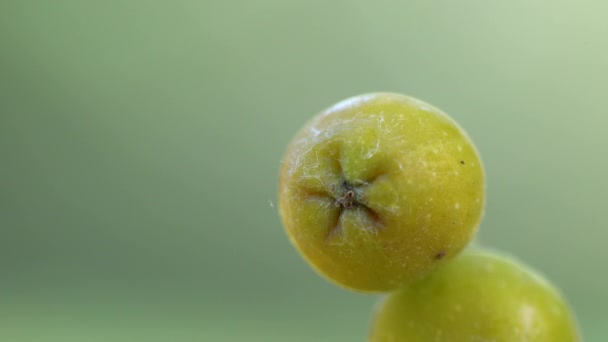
{"x": 140, "y": 143}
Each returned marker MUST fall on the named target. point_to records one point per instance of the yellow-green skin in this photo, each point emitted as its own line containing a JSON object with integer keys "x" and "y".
{"x": 379, "y": 189}
{"x": 478, "y": 296}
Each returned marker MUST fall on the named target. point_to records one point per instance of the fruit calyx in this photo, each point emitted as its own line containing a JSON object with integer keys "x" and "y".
{"x": 349, "y": 197}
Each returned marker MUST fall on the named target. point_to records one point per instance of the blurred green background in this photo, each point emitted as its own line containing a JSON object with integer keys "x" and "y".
{"x": 140, "y": 143}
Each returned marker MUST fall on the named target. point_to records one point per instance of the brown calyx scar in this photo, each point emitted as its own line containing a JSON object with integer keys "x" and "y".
{"x": 347, "y": 201}
{"x": 349, "y": 197}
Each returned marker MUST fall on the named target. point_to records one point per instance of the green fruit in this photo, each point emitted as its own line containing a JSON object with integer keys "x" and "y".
{"x": 379, "y": 189}
{"x": 478, "y": 296}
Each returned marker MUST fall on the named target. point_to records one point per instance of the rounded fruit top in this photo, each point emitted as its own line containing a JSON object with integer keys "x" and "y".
{"x": 478, "y": 296}
{"x": 379, "y": 189}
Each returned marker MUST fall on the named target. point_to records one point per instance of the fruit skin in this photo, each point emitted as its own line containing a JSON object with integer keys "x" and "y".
{"x": 379, "y": 189}
{"x": 478, "y": 296}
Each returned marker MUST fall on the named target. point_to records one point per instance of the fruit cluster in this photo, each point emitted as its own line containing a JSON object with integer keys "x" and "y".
{"x": 383, "y": 193}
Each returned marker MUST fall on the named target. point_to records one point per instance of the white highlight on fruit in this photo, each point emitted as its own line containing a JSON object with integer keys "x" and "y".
{"x": 271, "y": 204}
{"x": 457, "y": 205}
{"x": 527, "y": 317}
{"x": 350, "y": 102}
